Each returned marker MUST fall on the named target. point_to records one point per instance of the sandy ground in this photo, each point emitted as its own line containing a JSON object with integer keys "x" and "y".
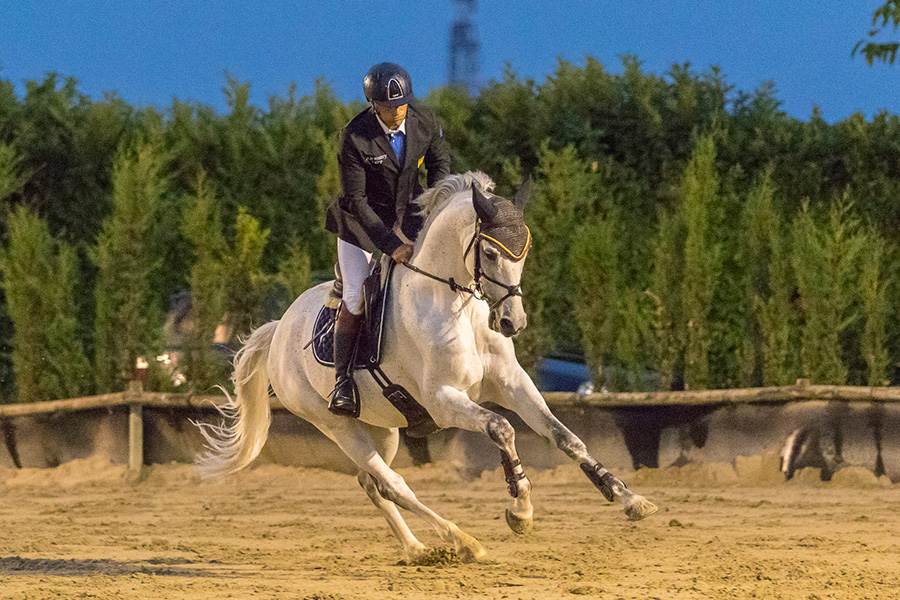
{"x": 82, "y": 531}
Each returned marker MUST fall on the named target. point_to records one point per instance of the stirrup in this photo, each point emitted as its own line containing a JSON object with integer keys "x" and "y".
{"x": 342, "y": 404}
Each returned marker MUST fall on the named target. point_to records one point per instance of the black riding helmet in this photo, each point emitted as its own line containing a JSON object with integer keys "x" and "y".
{"x": 388, "y": 84}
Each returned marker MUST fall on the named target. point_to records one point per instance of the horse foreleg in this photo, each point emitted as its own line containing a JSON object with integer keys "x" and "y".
{"x": 522, "y": 396}
{"x": 454, "y": 408}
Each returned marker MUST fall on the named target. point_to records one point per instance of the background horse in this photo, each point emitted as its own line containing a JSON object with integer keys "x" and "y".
{"x": 448, "y": 344}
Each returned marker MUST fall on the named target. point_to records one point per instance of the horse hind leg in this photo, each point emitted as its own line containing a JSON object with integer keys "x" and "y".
{"x": 363, "y": 443}
{"x": 393, "y": 488}
{"x": 387, "y": 441}
{"x": 412, "y": 547}
{"x": 357, "y": 444}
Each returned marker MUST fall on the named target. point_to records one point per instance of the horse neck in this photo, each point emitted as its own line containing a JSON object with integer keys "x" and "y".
{"x": 441, "y": 250}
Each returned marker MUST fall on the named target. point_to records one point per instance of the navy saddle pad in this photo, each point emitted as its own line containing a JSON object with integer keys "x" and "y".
{"x": 368, "y": 353}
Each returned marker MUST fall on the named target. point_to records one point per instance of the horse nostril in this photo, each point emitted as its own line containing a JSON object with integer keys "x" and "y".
{"x": 507, "y": 328}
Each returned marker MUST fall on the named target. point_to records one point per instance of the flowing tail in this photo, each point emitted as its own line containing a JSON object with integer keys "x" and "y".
{"x": 230, "y": 448}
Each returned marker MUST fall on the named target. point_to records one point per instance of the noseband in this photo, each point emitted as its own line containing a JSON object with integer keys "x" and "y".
{"x": 476, "y": 290}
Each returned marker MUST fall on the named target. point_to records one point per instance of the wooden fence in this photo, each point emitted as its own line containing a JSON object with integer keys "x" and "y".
{"x": 136, "y": 399}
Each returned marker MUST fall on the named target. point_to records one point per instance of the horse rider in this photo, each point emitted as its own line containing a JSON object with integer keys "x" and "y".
{"x": 381, "y": 152}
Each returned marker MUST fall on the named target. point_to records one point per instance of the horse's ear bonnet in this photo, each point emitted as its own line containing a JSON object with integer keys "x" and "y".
{"x": 523, "y": 195}
{"x": 484, "y": 206}
{"x": 502, "y": 222}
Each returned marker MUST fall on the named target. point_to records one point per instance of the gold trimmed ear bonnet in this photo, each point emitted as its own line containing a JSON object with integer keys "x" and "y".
{"x": 503, "y": 222}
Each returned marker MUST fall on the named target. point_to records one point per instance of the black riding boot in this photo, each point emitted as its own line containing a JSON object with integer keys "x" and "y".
{"x": 345, "y": 398}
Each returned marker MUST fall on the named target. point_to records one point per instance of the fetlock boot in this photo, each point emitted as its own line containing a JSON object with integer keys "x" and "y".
{"x": 345, "y": 397}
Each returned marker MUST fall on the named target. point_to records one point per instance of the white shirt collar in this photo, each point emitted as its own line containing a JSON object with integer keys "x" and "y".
{"x": 387, "y": 130}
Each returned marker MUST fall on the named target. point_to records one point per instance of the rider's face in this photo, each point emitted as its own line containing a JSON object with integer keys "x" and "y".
{"x": 391, "y": 116}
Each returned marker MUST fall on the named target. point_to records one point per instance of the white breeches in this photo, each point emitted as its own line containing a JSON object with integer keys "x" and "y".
{"x": 354, "y": 262}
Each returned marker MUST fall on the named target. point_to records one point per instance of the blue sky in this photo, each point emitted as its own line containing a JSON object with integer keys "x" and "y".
{"x": 153, "y": 51}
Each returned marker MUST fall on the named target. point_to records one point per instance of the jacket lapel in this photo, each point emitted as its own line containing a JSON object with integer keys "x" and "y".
{"x": 377, "y": 136}
{"x": 413, "y": 129}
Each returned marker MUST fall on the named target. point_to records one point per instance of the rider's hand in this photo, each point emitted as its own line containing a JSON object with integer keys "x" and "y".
{"x": 403, "y": 253}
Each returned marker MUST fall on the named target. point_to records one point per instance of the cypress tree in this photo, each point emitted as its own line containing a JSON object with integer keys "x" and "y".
{"x": 11, "y": 178}
{"x": 634, "y": 312}
{"x": 769, "y": 286}
{"x": 204, "y": 367}
{"x": 595, "y": 270}
{"x": 733, "y": 337}
{"x": 665, "y": 291}
{"x": 11, "y": 182}
{"x": 247, "y": 282}
{"x": 702, "y": 259}
{"x": 874, "y": 290}
{"x": 39, "y": 278}
{"x": 294, "y": 271}
{"x": 561, "y": 200}
{"x": 128, "y": 320}
{"x": 825, "y": 259}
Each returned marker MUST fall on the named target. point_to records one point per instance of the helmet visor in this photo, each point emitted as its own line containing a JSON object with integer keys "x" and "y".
{"x": 393, "y": 103}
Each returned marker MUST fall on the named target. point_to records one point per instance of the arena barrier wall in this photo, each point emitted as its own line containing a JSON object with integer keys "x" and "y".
{"x": 825, "y": 427}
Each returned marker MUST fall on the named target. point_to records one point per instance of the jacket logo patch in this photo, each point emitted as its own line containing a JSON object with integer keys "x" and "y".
{"x": 375, "y": 160}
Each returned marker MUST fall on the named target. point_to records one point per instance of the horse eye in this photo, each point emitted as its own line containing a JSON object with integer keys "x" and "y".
{"x": 491, "y": 254}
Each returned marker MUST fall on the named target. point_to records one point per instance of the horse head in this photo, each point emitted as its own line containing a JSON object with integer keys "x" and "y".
{"x": 501, "y": 244}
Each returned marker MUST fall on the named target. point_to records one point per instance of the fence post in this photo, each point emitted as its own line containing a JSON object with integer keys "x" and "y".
{"x": 133, "y": 396}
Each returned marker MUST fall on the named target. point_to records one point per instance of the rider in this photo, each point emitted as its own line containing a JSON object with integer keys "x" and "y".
{"x": 381, "y": 152}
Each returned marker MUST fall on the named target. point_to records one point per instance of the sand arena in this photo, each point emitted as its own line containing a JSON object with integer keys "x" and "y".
{"x": 81, "y": 530}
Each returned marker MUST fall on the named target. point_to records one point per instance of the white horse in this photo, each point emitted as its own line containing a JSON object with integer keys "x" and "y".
{"x": 448, "y": 348}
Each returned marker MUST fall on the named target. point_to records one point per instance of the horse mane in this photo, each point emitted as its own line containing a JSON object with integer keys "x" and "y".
{"x": 436, "y": 199}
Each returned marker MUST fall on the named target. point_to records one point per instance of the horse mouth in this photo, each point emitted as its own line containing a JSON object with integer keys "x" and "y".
{"x": 494, "y": 322}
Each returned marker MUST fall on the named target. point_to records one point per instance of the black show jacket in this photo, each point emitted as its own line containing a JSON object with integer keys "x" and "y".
{"x": 377, "y": 191}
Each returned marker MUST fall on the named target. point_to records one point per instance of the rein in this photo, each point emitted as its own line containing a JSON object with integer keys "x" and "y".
{"x": 475, "y": 289}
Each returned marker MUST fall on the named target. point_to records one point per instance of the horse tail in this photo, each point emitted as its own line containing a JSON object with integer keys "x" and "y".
{"x": 230, "y": 448}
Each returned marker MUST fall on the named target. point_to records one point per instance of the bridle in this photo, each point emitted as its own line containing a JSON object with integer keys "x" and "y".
{"x": 475, "y": 289}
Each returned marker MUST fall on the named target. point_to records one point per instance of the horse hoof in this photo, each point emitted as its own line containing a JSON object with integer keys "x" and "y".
{"x": 519, "y": 526}
{"x": 468, "y": 549}
{"x": 640, "y": 508}
{"x": 471, "y": 553}
{"x": 416, "y": 554}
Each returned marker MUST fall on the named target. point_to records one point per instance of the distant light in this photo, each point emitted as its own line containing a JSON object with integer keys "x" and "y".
{"x": 585, "y": 389}
{"x": 142, "y": 363}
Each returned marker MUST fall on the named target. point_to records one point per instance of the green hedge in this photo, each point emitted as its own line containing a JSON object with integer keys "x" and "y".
{"x": 687, "y": 234}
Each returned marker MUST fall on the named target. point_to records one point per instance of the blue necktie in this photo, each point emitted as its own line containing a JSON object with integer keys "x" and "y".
{"x": 397, "y": 143}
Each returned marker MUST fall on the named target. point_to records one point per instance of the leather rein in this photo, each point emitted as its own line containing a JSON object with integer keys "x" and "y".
{"x": 475, "y": 289}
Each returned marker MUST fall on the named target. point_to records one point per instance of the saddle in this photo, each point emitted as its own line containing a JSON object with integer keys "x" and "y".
{"x": 370, "y": 345}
